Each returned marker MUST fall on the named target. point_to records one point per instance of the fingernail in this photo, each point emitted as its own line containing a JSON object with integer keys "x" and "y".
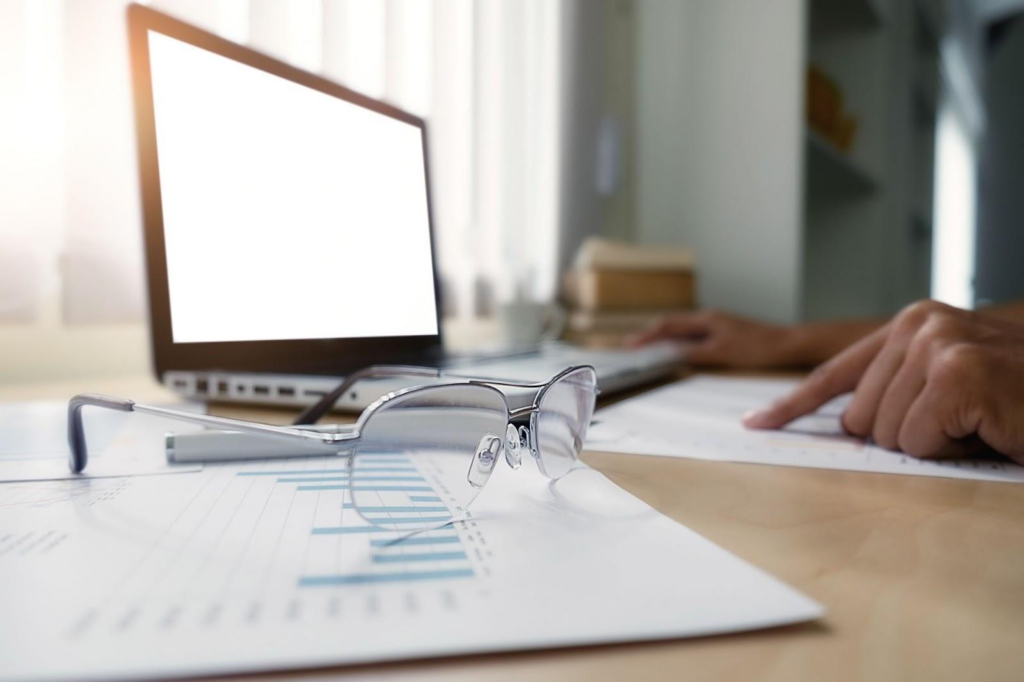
{"x": 754, "y": 419}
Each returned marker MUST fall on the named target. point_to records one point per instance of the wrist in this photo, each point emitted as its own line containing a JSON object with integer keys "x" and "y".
{"x": 812, "y": 343}
{"x": 797, "y": 346}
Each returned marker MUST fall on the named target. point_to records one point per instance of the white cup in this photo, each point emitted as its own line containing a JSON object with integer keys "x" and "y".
{"x": 524, "y": 324}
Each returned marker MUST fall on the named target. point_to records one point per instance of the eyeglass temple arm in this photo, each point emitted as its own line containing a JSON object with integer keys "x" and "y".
{"x": 316, "y": 411}
{"x": 76, "y": 430}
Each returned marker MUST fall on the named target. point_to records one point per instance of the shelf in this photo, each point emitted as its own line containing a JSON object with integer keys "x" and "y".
{"x": 831, "y": 172}
{"x": 830, "y": 16}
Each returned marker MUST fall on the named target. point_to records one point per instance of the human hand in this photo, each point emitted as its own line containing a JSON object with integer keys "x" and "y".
{"x": 923, "y": 384}
{"x": 723, "y": 340}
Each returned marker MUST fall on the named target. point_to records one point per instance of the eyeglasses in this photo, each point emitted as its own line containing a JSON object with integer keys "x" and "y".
{"x": 419, "y": 456}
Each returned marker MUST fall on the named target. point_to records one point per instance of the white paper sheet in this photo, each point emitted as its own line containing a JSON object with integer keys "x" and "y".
{"x": 33, "y": 442}
{"x": 239, "y": 568}
{"x": 699, "y": 418}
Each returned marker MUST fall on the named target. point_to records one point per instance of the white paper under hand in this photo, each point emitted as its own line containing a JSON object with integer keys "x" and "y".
{"x": 699, "y": 418}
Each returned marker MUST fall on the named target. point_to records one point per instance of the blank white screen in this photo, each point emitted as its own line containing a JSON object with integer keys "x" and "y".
{"x": 288, "y": 213}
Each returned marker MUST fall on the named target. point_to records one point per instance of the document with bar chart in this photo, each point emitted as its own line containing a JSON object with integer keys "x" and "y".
{"x": 266, "y": 565}
{"x": 699, "y": 418}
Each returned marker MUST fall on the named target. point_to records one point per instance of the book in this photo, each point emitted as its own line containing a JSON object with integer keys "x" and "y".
{"x": 614, "y": 321}
{"x": 604, "y": 254}
{"x": 629, "y": 289}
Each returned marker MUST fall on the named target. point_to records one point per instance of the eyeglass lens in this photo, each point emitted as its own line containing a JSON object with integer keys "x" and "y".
{"x": 424, "y": 456}
{"x": 563, "y": 416}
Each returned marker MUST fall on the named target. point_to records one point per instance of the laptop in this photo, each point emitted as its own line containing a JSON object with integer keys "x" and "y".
{"x": 288, "y": 234}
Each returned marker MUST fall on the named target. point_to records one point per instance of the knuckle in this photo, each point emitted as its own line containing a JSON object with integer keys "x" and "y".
{"x": 917, "y": 312}
{"x": 930, "y": 307}
{"x": 957, "y": 366}
{"x": 943, "y": 327}
{"x": 921, "y": 314}
{"x": 920, "y": 346}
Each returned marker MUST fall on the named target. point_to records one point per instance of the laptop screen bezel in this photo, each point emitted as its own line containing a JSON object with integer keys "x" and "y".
{"x": 303, "y": 356}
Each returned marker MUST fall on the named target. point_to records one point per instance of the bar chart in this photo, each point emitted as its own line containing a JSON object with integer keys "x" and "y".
{"x": 272, "y": 542}
{"x": 410, "y": 501}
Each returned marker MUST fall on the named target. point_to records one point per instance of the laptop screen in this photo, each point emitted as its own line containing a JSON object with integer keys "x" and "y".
{"x": 287, "y": 213}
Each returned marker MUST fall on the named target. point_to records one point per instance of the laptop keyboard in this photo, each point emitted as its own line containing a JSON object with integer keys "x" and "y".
{"x": 544, "y": 364}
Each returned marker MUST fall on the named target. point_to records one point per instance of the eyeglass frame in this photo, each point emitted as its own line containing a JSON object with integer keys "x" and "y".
{"x": 343, "y": 434}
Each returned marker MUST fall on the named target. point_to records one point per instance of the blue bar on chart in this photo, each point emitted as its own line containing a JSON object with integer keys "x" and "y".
{"x": 395, "y": 510}
{"x": 412, "y": 519}
{"x": 322, "y": 479}
{"x": 417, "y": 540}
{"x": 425, "y": 556}
{"x": 370, "y": 488}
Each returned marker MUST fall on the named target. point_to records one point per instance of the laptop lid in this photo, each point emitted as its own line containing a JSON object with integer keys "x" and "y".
{"x": 287, "y": 219}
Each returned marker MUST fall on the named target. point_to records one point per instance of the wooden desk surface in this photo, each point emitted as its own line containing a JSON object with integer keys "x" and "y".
{"x": 923, "y": 578}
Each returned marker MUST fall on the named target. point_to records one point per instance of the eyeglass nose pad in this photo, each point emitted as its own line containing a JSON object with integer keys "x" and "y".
{"x": 487, "y": 454}
{"x": 513, "y": 455}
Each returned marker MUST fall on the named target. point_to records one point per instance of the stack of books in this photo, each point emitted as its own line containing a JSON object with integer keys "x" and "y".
{"x": 616, "y": 289}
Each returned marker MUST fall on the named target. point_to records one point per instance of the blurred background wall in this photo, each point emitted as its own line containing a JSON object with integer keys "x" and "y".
{"x": 821, "y": 158}
{"x": 1000, "y": 273}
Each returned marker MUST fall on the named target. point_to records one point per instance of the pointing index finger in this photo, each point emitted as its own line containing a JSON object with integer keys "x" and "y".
{"x": 835, "y": 377}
